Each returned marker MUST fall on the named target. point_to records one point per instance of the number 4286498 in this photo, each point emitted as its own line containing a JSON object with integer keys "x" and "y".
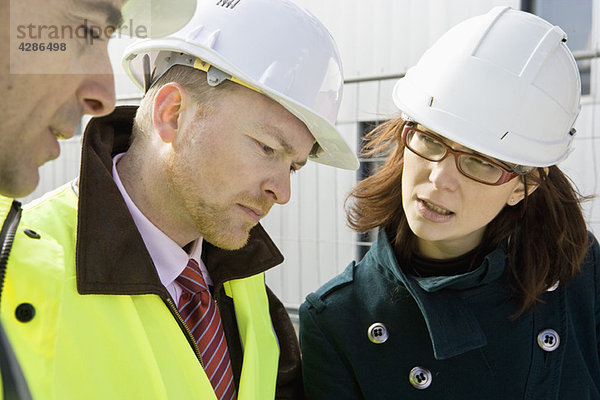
{"x": 50, "y": 46}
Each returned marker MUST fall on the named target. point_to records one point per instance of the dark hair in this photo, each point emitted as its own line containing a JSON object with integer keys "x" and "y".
{"x": 547, "y": 231}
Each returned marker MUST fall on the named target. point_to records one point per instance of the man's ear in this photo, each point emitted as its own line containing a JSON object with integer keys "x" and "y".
{"x": 518, "y": 193}
{"x": 167, "y": 109}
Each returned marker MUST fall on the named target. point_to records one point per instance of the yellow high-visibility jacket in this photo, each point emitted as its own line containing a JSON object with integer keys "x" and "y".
{"x": 74, "y": 346}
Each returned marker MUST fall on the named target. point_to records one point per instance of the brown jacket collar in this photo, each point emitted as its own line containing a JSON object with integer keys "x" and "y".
{"x": 111, "y": 255}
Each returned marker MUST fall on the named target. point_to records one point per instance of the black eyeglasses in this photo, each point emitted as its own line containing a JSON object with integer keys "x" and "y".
{"x": 473, "y": 166}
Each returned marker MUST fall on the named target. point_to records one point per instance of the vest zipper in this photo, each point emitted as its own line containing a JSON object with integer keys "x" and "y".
{"x": 7, "y": 235}
{"x": 185, "y": 329}
{"x": 14, "y": 385}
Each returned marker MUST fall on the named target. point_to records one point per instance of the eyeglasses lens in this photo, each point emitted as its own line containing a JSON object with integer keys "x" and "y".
{"x": 432, "y": 149}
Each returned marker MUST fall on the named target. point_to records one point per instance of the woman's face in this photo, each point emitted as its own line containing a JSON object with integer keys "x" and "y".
{"x": 447, "y": 211}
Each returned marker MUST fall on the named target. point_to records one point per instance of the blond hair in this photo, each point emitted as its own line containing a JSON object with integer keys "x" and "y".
{"x": 193, "y": 81}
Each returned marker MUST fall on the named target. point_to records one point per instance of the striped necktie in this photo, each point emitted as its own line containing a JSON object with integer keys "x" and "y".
{"x": 201, "y": 315}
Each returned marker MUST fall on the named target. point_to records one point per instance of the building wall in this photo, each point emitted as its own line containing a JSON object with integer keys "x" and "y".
{"x": 376, "y": 39}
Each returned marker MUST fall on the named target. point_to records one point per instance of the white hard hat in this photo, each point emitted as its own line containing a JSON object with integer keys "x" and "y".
{"x": 503, "y": 84}
{"x": 155, "y": 18}
{"x": 273, "y": 46}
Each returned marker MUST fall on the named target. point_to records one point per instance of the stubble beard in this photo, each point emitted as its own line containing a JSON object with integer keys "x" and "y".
{"x": 16, "y": 179}
{"x": 213, "y": 222}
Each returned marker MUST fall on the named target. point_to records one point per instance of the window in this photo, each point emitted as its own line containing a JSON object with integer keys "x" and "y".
{"x": 367, "y": 167}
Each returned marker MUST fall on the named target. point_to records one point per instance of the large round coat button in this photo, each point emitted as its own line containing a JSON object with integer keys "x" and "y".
{"x": 377, "y": 333}
{"x": 420, "y": 377}
{"x": 25, "y": 312}
{"x": 548, "y": 340}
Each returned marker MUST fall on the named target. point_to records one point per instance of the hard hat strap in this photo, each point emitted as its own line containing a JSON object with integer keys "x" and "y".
{"x": 167, "y": 59}
{"x": 215, "y": 76}
{"x": 147, "y": 73}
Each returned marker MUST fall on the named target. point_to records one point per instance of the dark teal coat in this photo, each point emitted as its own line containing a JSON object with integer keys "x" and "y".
{"x": 455, "y": 329}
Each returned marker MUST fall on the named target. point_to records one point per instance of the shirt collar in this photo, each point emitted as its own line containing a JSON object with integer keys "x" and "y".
{"x": 168, "y": 257}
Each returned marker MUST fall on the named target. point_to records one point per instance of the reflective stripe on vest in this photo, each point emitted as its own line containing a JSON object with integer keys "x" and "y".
{"x": 5, "y": 204}
{"x": 261, "y": 350}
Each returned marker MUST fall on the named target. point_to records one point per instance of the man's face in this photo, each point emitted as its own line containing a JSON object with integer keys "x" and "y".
{"x": 44, "y": 93}
{"x": 232, "y": 162}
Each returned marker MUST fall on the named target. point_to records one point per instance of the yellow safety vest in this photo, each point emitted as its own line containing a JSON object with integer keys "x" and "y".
{"x": 5, "y": 203}
{"x": 113, "y": 346}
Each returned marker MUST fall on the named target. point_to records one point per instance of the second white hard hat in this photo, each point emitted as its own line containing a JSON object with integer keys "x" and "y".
{"x": 274, "y": 46}
{"x": 504, "y": 84}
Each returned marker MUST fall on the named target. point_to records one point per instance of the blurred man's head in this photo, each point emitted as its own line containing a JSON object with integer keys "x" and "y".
{"x": 54, "y": 68}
